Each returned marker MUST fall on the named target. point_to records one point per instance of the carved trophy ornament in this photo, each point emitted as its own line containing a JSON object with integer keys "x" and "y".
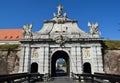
{"x": 34, "y": 53}
{"x": 58, "y": 17}
{"x": 60, "y": 39}
{"x": 93, "y": 29}
{"x": 27, "y": 31}
{"x": 86, "y": 52}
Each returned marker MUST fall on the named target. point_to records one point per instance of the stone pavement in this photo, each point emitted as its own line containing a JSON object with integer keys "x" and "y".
{"x": 61, "y": 80}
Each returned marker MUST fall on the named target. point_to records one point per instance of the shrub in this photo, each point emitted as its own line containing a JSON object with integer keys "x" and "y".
{"x": 9, "y": 46}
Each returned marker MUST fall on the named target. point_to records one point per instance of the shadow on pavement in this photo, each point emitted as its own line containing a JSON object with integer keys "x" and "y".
{"x": 60, "y": 73}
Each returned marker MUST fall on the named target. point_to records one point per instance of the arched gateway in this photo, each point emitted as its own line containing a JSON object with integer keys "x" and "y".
{"x": 59, "y": 54}
{"x": 61, "y": 37}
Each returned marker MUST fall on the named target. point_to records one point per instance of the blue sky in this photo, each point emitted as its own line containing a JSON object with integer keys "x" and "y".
{"x": 16, "y": 13}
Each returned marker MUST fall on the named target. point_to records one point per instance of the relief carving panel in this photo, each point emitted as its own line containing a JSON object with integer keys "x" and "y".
{"x": 86, "y": 52}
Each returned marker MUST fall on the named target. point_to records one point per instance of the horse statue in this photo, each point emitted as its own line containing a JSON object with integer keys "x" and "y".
{"x": 27, "y": 31}
{"x": 93, "y": 28}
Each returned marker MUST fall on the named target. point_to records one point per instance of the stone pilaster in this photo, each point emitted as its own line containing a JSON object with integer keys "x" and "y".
{"x": 94, "y": 63}
{"x": 44, "y": 57}
{"x": 41, "y": 61}
{"x": 73, "y": 59}
{"x": 100, "y": 59}
{"x": 27, "y": 62}
{"x": 25, "y": 59}
{"x": 78, "y": 59}
{"x": 76, "y": 66}
{"x": 46, "y": 62}
{"x": 97, "y": 59}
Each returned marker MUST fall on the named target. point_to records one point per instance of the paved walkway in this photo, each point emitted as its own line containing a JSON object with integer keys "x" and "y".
{"x": 61, "y": 80}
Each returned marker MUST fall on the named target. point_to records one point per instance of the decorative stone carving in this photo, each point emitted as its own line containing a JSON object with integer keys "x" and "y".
{"x": 93, "y": 29}
{"x": 54, "y": 15}
{"x": 60, "y": 10}
{"x": 27, "y": 31}
{"x": 34, "y": 53}
{"x": 65, "y": 15}
{"x": 59, "y": 18}
{"x": 60, "y": 39}
{"x": 85, "y": 52}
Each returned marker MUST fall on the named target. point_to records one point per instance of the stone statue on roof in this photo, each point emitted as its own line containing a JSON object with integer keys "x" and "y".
{"x": 27, "y": 31}
{"x": 60, "y": 10}
{"x": 60, "y": 18}
{"x": 93, "y": 29}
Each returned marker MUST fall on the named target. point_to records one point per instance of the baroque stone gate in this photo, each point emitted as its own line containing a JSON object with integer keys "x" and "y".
{"x": 61, "y": 37}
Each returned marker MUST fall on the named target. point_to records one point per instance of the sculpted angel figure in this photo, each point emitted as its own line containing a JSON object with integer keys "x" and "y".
{"x": 27, "y": 31}
{"x": 93, "y": 28}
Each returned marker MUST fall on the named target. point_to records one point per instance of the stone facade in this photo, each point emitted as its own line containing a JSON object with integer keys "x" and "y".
{"x": 61, "y": 37}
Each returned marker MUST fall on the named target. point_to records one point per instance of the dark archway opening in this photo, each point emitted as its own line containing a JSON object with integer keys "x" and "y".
{"x": 56, "y": 56}
{"x": 87, "y": 67}
{"x": 34, "y": 67}
{"x": 61, "y": 67}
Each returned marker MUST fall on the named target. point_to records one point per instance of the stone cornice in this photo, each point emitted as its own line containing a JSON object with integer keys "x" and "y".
{"x": 66, "y": 21}
{"x": 68, "y": 40}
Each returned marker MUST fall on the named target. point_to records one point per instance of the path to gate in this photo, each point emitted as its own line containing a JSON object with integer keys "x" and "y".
{"x": 61, "y": 80}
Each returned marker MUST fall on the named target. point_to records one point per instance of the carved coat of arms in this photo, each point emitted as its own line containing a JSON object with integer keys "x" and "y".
{"x": 60, "y": 39}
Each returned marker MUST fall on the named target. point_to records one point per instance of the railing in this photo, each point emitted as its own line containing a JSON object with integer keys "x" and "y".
{"x": 86, "y": 77}
{"x": 20, "y": 77}
{"x": 99, "y": 78}
{"x": 112, "y": 78}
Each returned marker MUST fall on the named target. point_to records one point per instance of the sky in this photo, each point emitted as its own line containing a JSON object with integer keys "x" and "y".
{"x": 15, "y": 13}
